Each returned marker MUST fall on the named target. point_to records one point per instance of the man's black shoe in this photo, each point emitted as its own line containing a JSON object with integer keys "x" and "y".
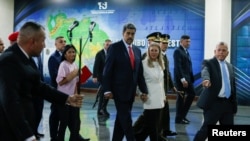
{"x": 182, "y": 122}
{"x": 37, "y": 137}
{"x": 53, "y": 139}
{"x": 186, "y": 120}
{"x": 106, "y": 112}
{"x": 169, "y": 133}
{"x": 40, "y": 135}
{"x": 83, "y": 139}
{"x": 102, "y": 113}
{"x": 162, "y": 138}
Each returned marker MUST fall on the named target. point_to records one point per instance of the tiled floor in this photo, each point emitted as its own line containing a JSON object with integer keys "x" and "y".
{"x": 102, "y": 129}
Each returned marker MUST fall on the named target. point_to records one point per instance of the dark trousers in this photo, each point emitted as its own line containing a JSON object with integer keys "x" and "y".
{"x": 103, "y": 102}
{"x": 183, "y": 103}
{"x": 164, "y": 124}
{"x": 222, "y": 111}
{"x": 53, "y": 121}
{"x": 38, "y": 108}
{"x": 69, "y": 117}
{"x": 123, "y": 122}
{"x": 138, "y": 125}
{"x": 150, "y": 125}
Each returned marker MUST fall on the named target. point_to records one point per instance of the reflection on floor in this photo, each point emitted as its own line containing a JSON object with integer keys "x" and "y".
{"x": 100, "y": 129}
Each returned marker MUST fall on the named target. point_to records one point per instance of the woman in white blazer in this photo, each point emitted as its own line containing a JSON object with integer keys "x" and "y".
{"x": 153, "y": 67}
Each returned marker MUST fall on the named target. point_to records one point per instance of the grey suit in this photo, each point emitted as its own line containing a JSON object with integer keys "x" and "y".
{"x": 216, "y": 108}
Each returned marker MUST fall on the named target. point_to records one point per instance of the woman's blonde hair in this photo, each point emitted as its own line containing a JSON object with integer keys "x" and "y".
{"x": 159, "y": 58}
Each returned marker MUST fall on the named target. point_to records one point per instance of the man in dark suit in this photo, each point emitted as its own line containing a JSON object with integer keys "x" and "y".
{"x": 53, "y": 65}
{"x": 97, "y": 77}
{"x": 37, "y": 100}
{"x": 122, "y": 73}
{"x": 184, "y": 79}
{"x": 164, "y": 126}
{"x": 20, "y": 81}
{"x": 218, "y": 104}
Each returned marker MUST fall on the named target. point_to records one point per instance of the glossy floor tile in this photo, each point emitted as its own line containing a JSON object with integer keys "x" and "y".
{"x": 101, "y": 129}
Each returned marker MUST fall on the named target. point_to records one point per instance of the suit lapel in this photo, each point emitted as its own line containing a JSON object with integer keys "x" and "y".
{"x": 217, "y": 67}
{"x": 185, "y": 54}
{"x": 103, "y": 54}
{"x": 20, "y": 54}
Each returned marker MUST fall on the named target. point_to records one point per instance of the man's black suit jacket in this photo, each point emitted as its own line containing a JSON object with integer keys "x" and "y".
{"x": 182, "y": 67}
{"x": 119, "y": 77}
{"x": 168, "y": 82}
{"x": 209, "y": 95}
{"x": 99, "y": 65}
{"x": 53, "y": 65}
{"x": 19, "y": 82}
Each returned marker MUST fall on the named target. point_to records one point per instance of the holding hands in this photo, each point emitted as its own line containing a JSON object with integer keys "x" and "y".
{"x": 144, "y": 97}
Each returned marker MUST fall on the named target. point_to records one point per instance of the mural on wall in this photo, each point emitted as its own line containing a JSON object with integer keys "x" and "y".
{"x": 241, "y": 48}
{"x": 174, "y": 17}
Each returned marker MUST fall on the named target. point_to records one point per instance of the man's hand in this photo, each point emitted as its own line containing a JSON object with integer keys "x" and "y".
{"x": 144, "y": 97}
{"x": 94, "y": 80}
{"x": 174, "y": 89}
{"x": 185, "y": 84}
{"x": 75, "y": 100}
{"x": 108, "y": 96}
{"x": 206, "y": 83}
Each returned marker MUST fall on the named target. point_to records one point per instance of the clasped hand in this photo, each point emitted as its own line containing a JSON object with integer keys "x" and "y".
{"x": 144, "y": 97}
{"x": 75, "y": 100}
{"x": 206, "y": 83}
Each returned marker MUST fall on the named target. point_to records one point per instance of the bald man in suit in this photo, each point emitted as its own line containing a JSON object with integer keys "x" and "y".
{"x": 20, "y": 81}
{"x": 217, "y": 105}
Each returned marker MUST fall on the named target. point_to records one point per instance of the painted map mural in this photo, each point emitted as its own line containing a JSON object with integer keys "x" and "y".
{"x": 174, "y": 17}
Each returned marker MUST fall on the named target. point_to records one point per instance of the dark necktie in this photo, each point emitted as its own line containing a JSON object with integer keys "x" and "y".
{"x": 225, "y": 78}
{"x": 132, "y": 57}
{"x": 33, "y": 64}
{"x": 188, "y": 54}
